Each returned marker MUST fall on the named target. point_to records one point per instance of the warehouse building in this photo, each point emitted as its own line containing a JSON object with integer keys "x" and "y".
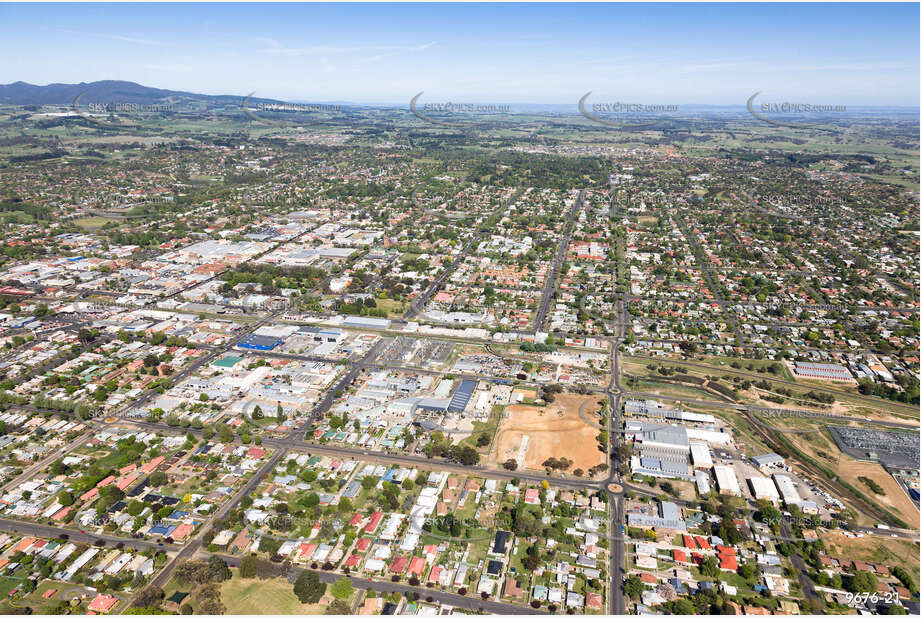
{"x": 787, "y": 489}
{"x": 361, "y": 322}
{"x": 462, "y": 396}
{"x": 654, "y": 409}
{"x": 430, "y": 404}
{"x": 763, "y": 489}
{"x": 260, "y": 342}
{"x": 700, "y": 456}
{"x": 823, "y": 371}
{"x": 662, "y": 450}
{"x": 703, "y": 482}
{"x": 726, "y": 481}
{"x": 768, "y": 461}
{"x": 669, "y": 517}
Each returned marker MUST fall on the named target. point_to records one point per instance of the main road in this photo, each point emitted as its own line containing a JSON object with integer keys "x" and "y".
{"x": 473, "y": 602}
{"x": 546, "y": 296}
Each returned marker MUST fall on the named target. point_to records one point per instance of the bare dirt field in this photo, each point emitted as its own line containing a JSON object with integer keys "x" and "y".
{"x": 556, "y": 430}
{"x": 895, "y": 497}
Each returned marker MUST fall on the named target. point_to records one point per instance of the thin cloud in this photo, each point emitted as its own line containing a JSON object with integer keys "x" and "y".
{"x": 119, "y": 37}
{"x": 271, "y": 46}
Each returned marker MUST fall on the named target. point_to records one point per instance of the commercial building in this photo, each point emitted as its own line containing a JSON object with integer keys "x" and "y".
{"x": 260, "y": 342}
{"x": 763, "y": 489}
{"x": 787, "y": 489}
{"x": 669, "y": 517}
{"x": 700, "y": 456}
{"x": 768, "y": 461}
{"x": 462, "y": 396}
{"x": 823, "y": 371}
{"x": 361, "y": 322}
{"x": 726, "y": 481}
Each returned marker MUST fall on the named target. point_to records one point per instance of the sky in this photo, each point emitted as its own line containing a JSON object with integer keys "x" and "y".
{"x": 671, "y": 54}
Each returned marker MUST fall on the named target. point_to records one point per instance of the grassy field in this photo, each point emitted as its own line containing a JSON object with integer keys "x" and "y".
{"x": 879, "y": 550}
{"x": 261, "y": 596}
{"x": 94, "y": 223}
{"x": 848, "y": 401}
{"x": 670, "y": 390}
{"x": 7, "y": 584}
{"x": 489, "y": 428}
{"x": 394, "y": 308}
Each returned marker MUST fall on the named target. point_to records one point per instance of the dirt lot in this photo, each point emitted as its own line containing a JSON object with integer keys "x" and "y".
{"x": 552, "y": 431}
{"x": 895, "y": 497}
{"x": 871, "y": 548}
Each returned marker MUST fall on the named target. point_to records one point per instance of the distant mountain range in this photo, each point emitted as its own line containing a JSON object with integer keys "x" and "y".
{"x": 108, "y": 91}
{"x": 113, "y": 91}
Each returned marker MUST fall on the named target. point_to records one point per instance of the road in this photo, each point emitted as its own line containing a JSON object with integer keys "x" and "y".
{"x": 547, "y": 295}
{"x": 52, "y": 532}
{"x": 804, "y": 580}
{"x": 345, "y": 381}
{"x": 712, "y": 282}
{"x": 190, "y": 548}
{"x": 471, "y": 602}
{"x": 32, "y": 470}
{"x": 617, "y": 551}
{"x": 419, "y": 303}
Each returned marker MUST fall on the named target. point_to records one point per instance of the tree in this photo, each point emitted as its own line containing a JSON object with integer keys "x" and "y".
{"x": 249, "y": 567}
{"x": 342, "y": 588}
{"x": 225, "y": 433}
{"x": 510, "y": 464}
{"x": 148, "y": 597}
{"x": 65, "y": 498}
{"x": 157, "y": 478}
{"x": 748, "y": 570}
{"x": 634, "y": 587}
{"x": 862, "y": 581}
{"x": 308, "y": 588}
{"x": 192, "y": 572}
{"x": 218, "y": 569}
{"x": 709, "y": 567}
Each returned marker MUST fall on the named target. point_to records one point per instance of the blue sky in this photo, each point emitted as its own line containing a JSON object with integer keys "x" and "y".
{"x": 843, "y": 54}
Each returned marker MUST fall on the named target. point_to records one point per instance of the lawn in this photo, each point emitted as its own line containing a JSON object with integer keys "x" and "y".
{"x": 394, "y": 308}
{"x": 7, "y": 584}
{"x": 489, "y": 428}
{"x": 94, "y": 223}
{"x": 263, "y": 596}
